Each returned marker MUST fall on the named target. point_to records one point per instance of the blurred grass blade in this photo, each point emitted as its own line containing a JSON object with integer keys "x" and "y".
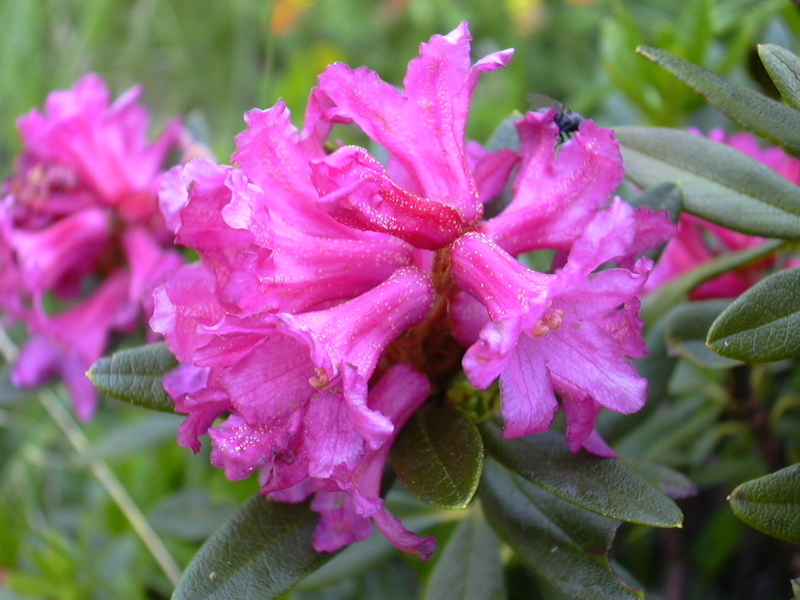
{"x": 771, "y": 503}
{"x": 784, "y": 70}
{"x": 755, "y": 112}
{"x": 763, "y": 324}
{"x": 695, "y": 28}
{"x": 719, "y": 183}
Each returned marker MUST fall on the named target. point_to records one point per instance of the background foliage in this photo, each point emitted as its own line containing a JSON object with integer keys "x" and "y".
{"x": 62, "y": 536}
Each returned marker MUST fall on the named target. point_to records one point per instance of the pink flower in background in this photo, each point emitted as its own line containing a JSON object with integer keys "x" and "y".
{"x": 80, "y": 230}
{"x": 699, "y": 241}
{"x": 336, "y": 293}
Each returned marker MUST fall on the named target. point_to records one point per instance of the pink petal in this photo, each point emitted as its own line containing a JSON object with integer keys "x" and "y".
{"x": 69, "y": 248}
{"x": 307, "y": 272}
{"x": 107, "y": 145}
{"x": 582, "y": 413}
{"x": 489, "y": 356}
{"x": 358, "y": 331}
{"x": 491, "y": 170}
{"x": 330, "y": 436}
{"x": 183, "y": 303}
{"x": 556, "y": 193}
{"x": 241, "y": 448}
{"x": 592, "y": 361}
{"x": 424, "y": 129}
{"x": 149, "y": 261}
{"x": 468, "y": 316}
{"x": 355, "y": 190}
{"x": 528, "y": 402}
{"x": 504, "y": 286}
{"x": 277, "y": 159}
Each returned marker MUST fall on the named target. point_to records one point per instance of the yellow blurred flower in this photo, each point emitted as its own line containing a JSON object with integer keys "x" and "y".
{"x": 526, "y": 15}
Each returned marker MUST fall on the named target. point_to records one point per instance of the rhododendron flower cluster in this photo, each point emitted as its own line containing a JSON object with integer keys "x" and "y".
{"x": 82, "y": 240}
{"x": 699, "y": 241}
{"x": 337, "y": 293}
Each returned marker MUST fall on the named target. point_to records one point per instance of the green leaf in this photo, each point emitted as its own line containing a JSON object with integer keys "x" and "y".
{"x": 259, "y": 553}
{"x": 602, "y": 485}
{"x": 719, "y": 183}
{"x": 686, "y": 328}
{"x": 771, "y": 503}
{"x": 763, "y": 324}
{"x": 784, "y": 69}
{"x": 469, "y": 567}
{"x": 565, "y": 545}
{"x": 673, "y": 483}
{"x": 763, "y": 116}
{"x": 439, "y": 456}
{"x": 796, "y": 588}
{"x": 661, "y": 301}
{"x": 670, "y": 434}
{"x": 135, "y": 376}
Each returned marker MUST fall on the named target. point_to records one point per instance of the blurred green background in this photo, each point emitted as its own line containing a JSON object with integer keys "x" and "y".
{"x": 61, "y": 536}
{"x": 213, "y": 60}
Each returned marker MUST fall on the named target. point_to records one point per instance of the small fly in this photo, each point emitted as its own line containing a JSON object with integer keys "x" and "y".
{"x": 567, "y": 120}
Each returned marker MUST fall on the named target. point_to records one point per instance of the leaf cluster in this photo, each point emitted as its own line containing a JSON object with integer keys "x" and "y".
{"x": 729, "y": 188}
{"x": 557, "y": 511}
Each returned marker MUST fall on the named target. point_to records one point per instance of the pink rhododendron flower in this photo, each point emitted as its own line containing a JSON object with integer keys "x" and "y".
{"x": 335, "y": 294}
{"x": 699, "y": 241}
{"x": 80, "y": 227}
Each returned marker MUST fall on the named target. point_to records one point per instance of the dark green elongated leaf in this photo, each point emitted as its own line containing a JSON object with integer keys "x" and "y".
{"x": 602, "y": 485}
{"x": 770, "y": 119}
{"x": 771, "y": 503}
{"x": 470, "y": 567}
{"x": 672, "y": 433}
{"x": 565, "y": 545}
{"x": 763, "y": 324}
{"x": 719, "y": 183}
{"x": 686, "y": 328}
{"x": 673, "y": 483}
{"x": 135, "y": 376}
{"x": 784, "y": 69}
{"x": 659, "y": 303}
{"x": 259, "y": 553}
{"x": 439, "y": 456}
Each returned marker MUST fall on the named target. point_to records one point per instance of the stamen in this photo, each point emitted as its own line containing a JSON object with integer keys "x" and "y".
{"x": 321, "y": 380}
{"x": 550, "y": 322}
